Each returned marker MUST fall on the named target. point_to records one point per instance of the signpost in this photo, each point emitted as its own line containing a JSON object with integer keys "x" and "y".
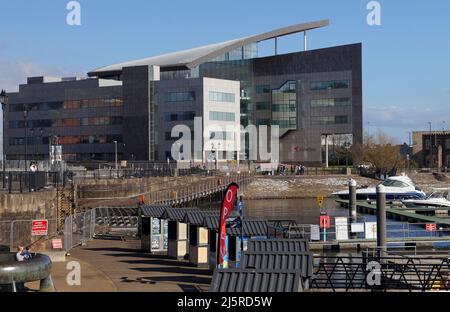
{"x": 57, "y": 243}
{"x": 39, "y": 227}
{"x": 325, "y": 224}
{"x": 431, "y": 227}
{"x": 320, "y": 201}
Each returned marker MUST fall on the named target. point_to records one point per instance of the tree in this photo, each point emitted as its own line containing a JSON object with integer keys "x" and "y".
{"x": 380, "y": 151}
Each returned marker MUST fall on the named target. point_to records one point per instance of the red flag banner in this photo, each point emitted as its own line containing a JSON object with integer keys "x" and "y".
{"x": 227, "y": 206}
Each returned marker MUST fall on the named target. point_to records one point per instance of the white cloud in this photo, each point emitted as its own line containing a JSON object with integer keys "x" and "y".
{"x": 408, "y": 117}
{"x": 15, "y": 72}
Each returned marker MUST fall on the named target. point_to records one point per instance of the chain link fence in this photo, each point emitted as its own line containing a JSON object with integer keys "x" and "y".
{"x": 106, "y": 222}
{"x": 18, "y": 232}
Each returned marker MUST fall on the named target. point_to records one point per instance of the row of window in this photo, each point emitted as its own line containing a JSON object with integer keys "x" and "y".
{"x": 222, "y": 116}
{"x": 67, "y": 122}
{"x": 180, "y": 96}
{"x": 179, "y": 116}
{"x": 69, "y": 104}
{"x": 68, "y": 140}
{"x": 221, "y": 135}
{"x": 222, "y": 97}
{"x": 337, "y": 102}
{"x": 329, "y": 120}
{"x": 286, "y": 123}
{"x": 284, "y": 108}
{"x": 329, "y": 85}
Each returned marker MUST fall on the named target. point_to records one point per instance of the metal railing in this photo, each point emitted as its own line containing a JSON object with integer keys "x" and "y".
{"x": 401, "y": 231}
{"x": 390, "y": 273}
{"x": 21, "y": 181}
{"x": 118, "y": 222}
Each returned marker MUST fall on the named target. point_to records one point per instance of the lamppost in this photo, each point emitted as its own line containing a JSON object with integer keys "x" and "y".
{"x": 115, "y": 157}
{"x": 25, "y": 116}
{"x": 3, "y": 102}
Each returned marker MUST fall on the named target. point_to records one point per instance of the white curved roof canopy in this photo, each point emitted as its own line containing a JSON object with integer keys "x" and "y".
{"x": 193, "y": 57}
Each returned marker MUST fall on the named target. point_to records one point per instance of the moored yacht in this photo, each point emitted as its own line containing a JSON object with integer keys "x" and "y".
{"x": 439, "y": 198}
{"x": 397, "y": 188}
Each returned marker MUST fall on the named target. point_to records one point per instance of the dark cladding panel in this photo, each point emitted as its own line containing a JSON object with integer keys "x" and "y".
{"x": 136, "y": 109}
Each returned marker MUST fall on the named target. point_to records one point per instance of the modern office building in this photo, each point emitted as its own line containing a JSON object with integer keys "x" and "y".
{"x": 315, "y": 97}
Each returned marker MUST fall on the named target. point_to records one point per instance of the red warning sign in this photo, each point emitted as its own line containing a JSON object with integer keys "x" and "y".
{"x": 39, "y": 227}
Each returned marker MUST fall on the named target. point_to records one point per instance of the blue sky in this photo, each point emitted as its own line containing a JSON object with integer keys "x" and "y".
{"x": 406, "y": 62}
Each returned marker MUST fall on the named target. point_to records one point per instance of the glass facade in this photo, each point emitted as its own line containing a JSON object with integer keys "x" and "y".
{"x": 284, "y": 107}
{"x": 329, "y": 120}
{"x": 68, "y": 140}
{"x": 221, "y": 97}
{"x": 180, "y": 96}
{"x": 329, "y": 85}
{"x": 69, "y": 104}
{"x": 334, "y": 102}
{"x": 179, "y": 116}
{"x": 222, "y": 116}
{"x": 67, "y": 122}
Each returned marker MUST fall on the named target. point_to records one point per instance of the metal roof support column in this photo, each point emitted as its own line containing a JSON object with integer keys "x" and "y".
{"x": 276, "y": 45}
{"x": 305, "y": 40}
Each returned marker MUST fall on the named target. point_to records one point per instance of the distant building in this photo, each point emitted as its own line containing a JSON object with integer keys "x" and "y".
{"x": 315, "y": 97}
{"x": 430, "y": 148}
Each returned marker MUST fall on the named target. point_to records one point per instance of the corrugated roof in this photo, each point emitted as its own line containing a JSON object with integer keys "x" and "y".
{"x": 154, "y": 211}
{"x": 246, "y": 281}
{"x": 303, "y": 262}
{"x": 250, "y": 228}
{"x": 177, "y": 214}
{"x": 197, "y": 217}
{"x": 191, "y": 58}
{"x": 278, "y": 245}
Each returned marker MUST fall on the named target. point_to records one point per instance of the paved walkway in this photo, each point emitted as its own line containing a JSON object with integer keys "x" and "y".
{"x": 131, "y": 270}
{"x": 92, "y": 279}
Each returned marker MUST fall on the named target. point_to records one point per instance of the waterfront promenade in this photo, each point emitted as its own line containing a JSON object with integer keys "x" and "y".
{"x": 119, "y": 266}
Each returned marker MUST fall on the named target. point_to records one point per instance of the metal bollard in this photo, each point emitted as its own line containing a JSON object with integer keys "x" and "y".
{"x": 352, "y": 205}
{"x": 381, "y": 219}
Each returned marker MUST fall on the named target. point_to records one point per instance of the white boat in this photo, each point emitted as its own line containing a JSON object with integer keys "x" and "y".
{"x": 397, "y": 188}
{"x": 439, "y": 198}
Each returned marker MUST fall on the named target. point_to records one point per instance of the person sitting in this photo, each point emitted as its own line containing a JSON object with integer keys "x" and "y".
{"x": 19, "y": 255}
{"x": 26, "y": 254}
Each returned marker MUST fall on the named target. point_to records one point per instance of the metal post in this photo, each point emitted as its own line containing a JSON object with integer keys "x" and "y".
{"x": 25, "y": 115}
{"x": 326, "y": 152}
{"x": 381, "y": 219}
{"x": 305, "y": 41}
{"x": 115, "y": 152}
{"x": 352, "y": 206}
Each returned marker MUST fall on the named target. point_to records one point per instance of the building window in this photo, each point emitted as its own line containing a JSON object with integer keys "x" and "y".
{"x": 222, "y": 116}
{"x": 284, "y": 106}
{"x": 329, "y": 120}
{"x": 337, "y": 102}
{"x": 262, "y": 122}
{"x": 179, "y": 116}
{"x": 180, "y": 96}
{"x": 262, "y": 89}
{"x": 221, "y": 135}
{"x": 68, "y": 104}
{"x": 221, "y": 97}
{"x": 427, "y": 144}
{"x": 330, "y": 85}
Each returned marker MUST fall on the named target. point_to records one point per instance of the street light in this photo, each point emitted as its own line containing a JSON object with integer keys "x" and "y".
{"x": 115, "y": 152}
{"x": 25, "y": 116}
{"x": 3, "y": 101}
